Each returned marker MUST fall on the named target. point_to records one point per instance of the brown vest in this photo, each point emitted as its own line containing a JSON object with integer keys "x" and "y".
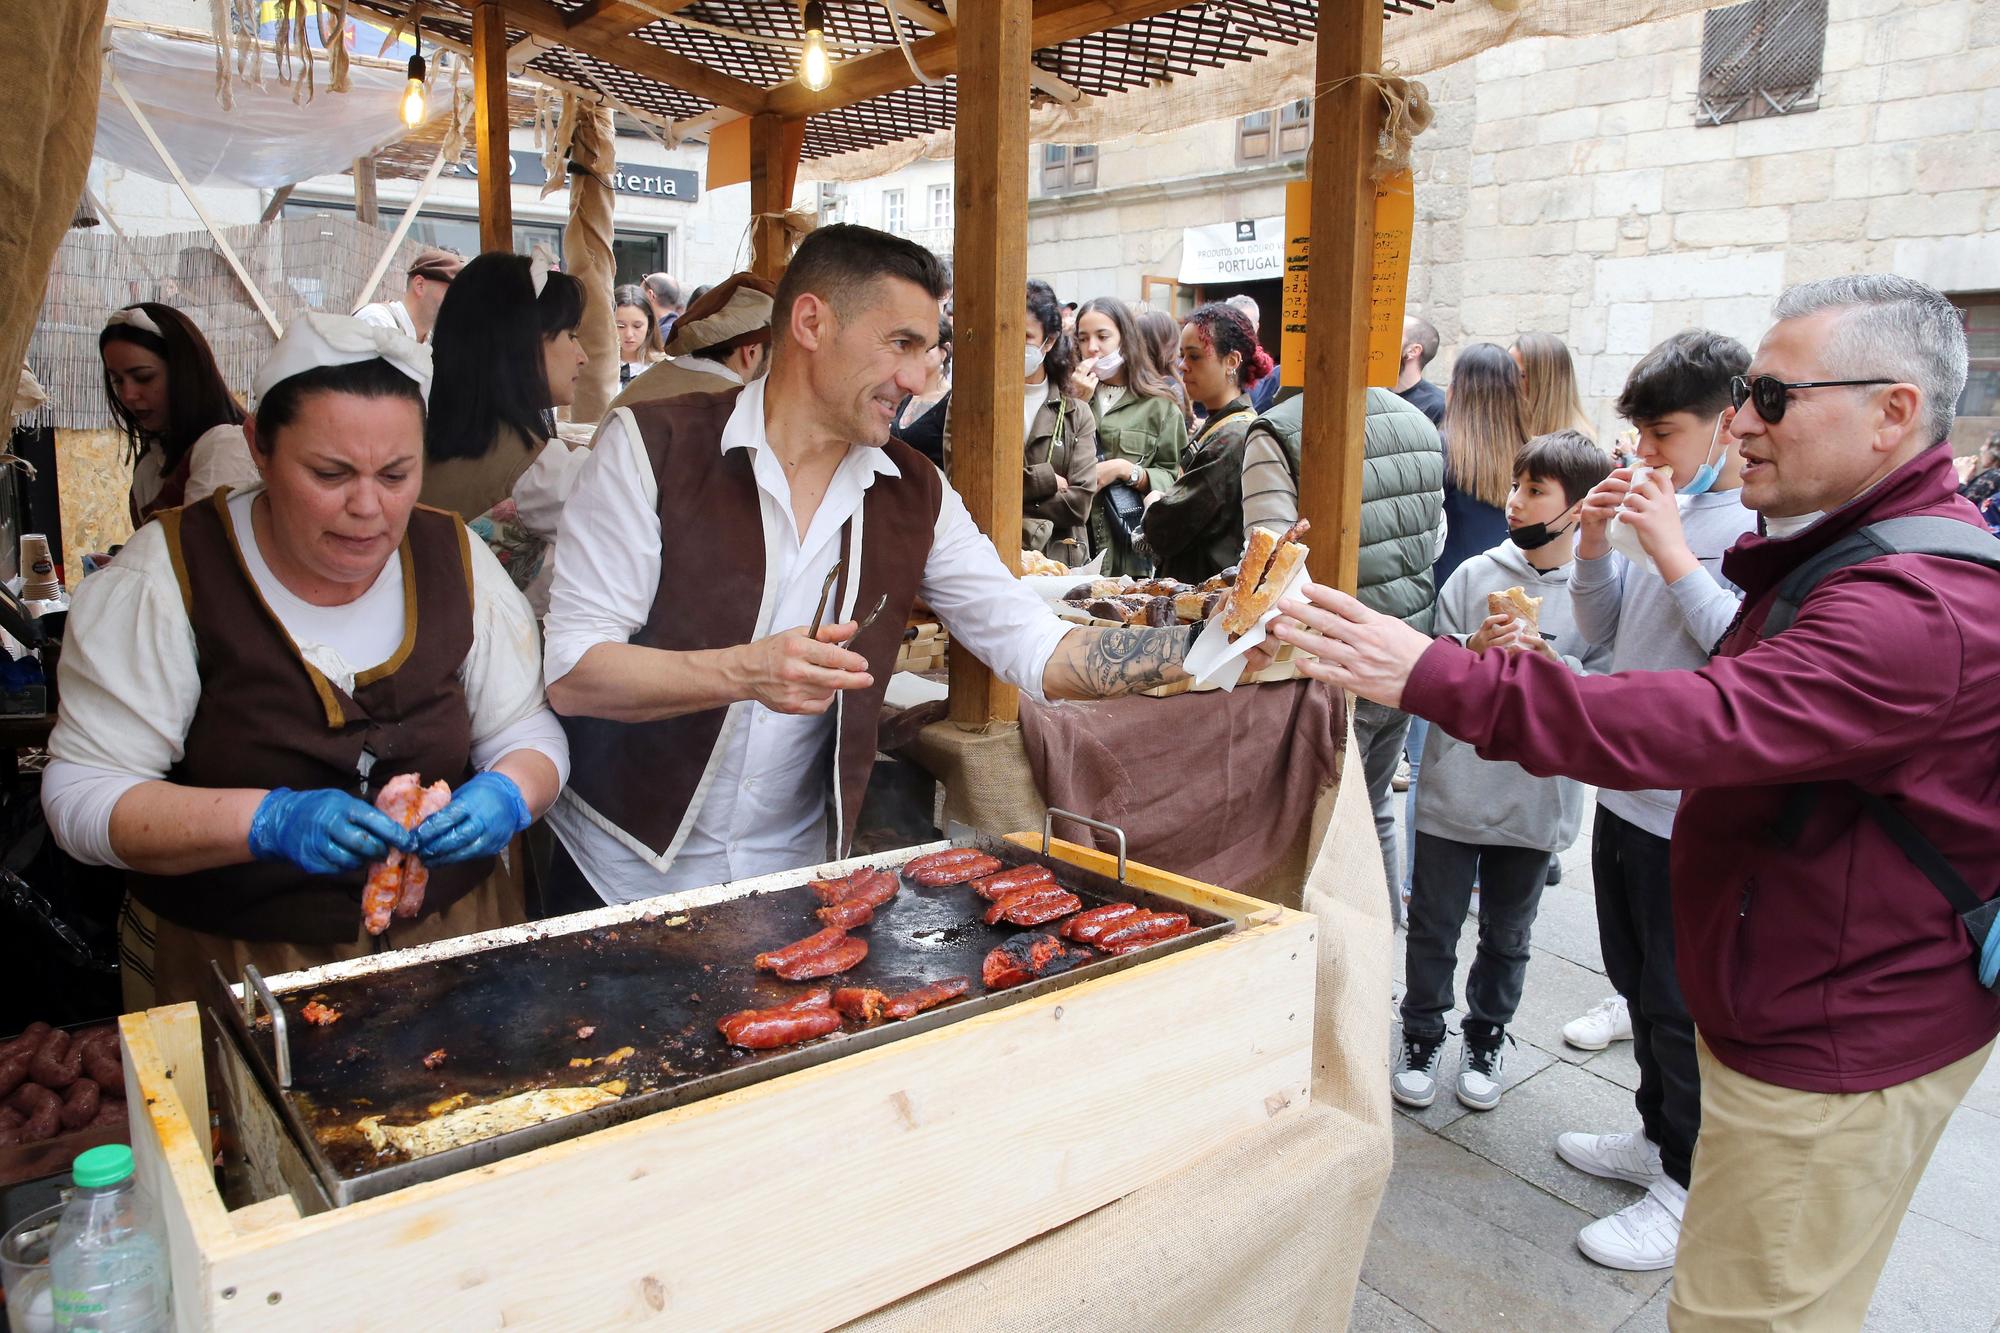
{"x": 469, "y": 487}
{"x": 268, "y": 719}
{"x": 643, "y": 776}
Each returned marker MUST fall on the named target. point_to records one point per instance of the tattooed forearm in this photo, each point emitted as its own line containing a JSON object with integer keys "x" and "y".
{"x": 1105, "y": 663}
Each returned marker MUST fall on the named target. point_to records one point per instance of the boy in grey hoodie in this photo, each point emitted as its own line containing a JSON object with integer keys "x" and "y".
{"x": 1485, "y": 820}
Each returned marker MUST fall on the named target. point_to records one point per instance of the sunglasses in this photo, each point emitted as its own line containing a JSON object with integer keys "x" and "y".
{"x": 1769, "y": 395}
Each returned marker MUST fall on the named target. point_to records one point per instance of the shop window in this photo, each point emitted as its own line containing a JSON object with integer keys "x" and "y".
{"x": 1278, "y": 135}
{"x": 1068, "y": 167}
{"x": 831, "y": 205}
{"x": 941, "y": 208}
{"x": 892, "y": 210}
{"x": 1761, "y": 59}
{"x": 1979, "y": 405}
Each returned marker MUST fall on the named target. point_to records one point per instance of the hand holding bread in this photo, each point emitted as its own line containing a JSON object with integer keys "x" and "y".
{"x": 1269, "y": 564}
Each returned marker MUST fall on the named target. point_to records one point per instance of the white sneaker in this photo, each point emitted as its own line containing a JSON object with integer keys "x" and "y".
{"x": 1481, "y": 1063}
{"x": 1415, "y": 1080}
{"x": 1632, "y": 1157}
{"x": 1643, "y": 1237}
{"x": 1608, "y": 1021}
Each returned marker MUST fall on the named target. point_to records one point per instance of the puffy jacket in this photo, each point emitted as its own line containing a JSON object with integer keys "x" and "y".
{"x": 1402, "y": 497}
{"x": 1829, "y": 963}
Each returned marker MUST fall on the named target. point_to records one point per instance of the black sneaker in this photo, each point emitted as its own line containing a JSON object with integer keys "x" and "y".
{"x": 1481, "y": 1063}
{"x": 1415, "y": 1080}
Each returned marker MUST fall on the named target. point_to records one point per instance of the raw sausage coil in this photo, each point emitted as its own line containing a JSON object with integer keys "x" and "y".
{"x": 27, "y": 1043}
{"x": 58, "y": 1063}
{"x": 13, "y": 1069}
{"x": 79, "y": 1107}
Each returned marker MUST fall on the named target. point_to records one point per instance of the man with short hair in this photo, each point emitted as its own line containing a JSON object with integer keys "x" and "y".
{"x": 1832, "y": 979}
{"x": 1420, "y": 345}
{"x": 414, "y": 313}
{"x": 1265, "y": 391}
{"x": 724, "y": 740}
{"x": 663, "y": 294}
{"x": 720, "y": 339}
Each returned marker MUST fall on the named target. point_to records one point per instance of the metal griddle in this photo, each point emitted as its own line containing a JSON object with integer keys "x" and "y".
{"x": 507, "y": 1016}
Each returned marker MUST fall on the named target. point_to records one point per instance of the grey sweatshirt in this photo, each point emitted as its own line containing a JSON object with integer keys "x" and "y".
{"x": 1483, "y": 801}
{"x": 1651, "y": 626}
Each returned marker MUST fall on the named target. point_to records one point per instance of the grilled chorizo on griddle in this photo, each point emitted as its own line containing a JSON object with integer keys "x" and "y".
{"x": 1027, "y": 956}
{"x": 832, "y": 962}
{"x": 57, "y": 1062}
{"x": 1033, "y": 906}
{"x": 820, "y": 942}
{"x": 1148, "y": 929}
{"x": 863, "y": 883}
{"x": 911, "y": 1003}
{"x": 950, "y": 856}
{"x": 1085, "y": 927}
{"x": 995, "y": 887}
{"x": 863, "y": 1004}
{"x": 957, "y": 872}
{"x": 803, "y": 1019}
{"x": 847, "y": 915}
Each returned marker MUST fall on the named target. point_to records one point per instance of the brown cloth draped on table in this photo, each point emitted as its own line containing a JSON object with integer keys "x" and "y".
{"x": 1218, "y": 787}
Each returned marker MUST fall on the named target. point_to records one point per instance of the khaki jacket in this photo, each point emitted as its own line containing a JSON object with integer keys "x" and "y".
{"x": 1062, "y": 443}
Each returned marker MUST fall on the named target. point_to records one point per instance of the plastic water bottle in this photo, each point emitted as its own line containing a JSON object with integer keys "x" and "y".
{"x": 107, "y": 1266}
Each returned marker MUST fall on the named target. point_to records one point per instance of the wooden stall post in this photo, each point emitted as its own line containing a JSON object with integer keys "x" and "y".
{"x": 989, "y": 305}
{"x": 366, "y": 210}
{"x": 1346, "y": 121}
{"x": 775, "y": 144}
{"x": 489, "y": 96}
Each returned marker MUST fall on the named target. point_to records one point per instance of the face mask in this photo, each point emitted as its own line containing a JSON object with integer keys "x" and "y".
{"x": 1031, "y": 359}
{"x": 1534, "y": 536}
{"x": 1705, "y": 475}
{"x": 1108, "y": 364}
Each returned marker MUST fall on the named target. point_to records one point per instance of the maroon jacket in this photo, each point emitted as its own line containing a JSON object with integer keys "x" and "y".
{"x": 1831, "y": 965}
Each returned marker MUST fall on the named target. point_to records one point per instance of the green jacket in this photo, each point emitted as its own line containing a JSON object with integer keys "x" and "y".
{"x": 1402, "y": 500}
{"x": 1151, "y": 433}
{"x": 1196, "y": 529}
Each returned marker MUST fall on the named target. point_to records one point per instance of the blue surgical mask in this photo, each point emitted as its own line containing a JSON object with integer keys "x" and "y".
{"x": 1705, "y": 475}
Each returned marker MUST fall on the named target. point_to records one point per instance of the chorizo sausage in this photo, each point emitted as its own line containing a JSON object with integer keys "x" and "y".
{"x": 1086, "y": 927}
{"x": 30, "y": 1098}
{"x": 957, "y": 872}
{"x": 109, "y": 1113}
{"x": 1149, "y": 929}
{"x": 950, "y": 856}
{"x": 13, "y": 1069}
{"x": 845, "y": 954}
{"x": 863, "y": 1004}
{"x": 774, "y": 960}
{"x": 911, "y": 1003}
{"x": 42, "y": 1108}
{"x": 1033, "y": 906}
{"x": 995, "y": 887}
{"x": 57, "y": 1062}
{"x": 79, "y": 1105}
{"x": 803, "y": 1019}
{"x": 846, "y": 915}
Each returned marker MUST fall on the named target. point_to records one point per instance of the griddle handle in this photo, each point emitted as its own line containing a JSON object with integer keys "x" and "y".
{"x": 1051, "y": 815}
{"x": 254, "y": 992}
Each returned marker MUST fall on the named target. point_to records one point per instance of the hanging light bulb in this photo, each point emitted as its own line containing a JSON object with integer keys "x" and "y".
{"x": 815, "y": 70}
{"x": 413, "y": 108}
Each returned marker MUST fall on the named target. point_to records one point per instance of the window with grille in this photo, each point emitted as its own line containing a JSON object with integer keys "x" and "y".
{"x": 892, "y": 210}
{"x": 1068, "y": 167}
{"x": 1760, "y": 59}
{"x": 941, "y": 207}
{"x": 1275, "y": 136}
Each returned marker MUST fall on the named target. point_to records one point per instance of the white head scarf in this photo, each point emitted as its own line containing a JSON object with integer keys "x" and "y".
{"x": 317, "y": 339}
{"x": 136, "y": 318}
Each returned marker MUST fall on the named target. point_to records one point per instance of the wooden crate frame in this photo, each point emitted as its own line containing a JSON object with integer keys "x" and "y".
{"x": 797, "y": 1203}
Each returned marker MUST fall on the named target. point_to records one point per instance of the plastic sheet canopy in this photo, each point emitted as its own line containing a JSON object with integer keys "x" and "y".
{"x": 267, "y": 141}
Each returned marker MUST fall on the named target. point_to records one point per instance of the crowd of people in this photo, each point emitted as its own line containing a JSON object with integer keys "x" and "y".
{"x": 1539, "y": 608}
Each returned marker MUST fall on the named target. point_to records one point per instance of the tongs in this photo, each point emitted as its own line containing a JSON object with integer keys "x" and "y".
{"x": 821, "y": 607}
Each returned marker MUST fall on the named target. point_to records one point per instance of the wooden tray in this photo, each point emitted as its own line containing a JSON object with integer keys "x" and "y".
{"x": 797, "y": 1203}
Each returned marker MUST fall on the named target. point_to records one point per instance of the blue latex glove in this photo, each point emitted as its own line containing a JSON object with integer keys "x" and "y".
{"x": 483, "y": 814}
{"x": 323, "y": 832}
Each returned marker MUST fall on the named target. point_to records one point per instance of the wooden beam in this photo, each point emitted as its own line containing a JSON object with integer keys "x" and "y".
{"x": 544, "y": 20}
{"x": 600, "y": 19}
{"x": 1055, "y": 22}
{"x": 273, "y": 209}
{"x": 989, "y": 306}
{"x": 1346, "y": 121}
{"x": 774, "y": 170}
{"x": 489, "y": 98}
{"x": 365, "y": 210}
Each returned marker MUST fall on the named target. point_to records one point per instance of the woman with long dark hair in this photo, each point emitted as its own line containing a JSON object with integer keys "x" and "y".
{"x": 183, "y": 427}
{"x": 1140, "y": 429}
{"x": 1059, "y": 437}
{"x": 1196, "y": 528}
{"x": 507, "y": 356}
{"x": 639, "y": 343}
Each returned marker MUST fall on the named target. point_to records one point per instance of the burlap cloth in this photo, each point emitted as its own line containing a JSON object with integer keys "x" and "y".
{"x": 1268, "y": 1231}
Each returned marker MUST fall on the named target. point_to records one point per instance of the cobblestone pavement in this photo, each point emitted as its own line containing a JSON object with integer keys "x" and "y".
{"x": 1478, "y": 1229}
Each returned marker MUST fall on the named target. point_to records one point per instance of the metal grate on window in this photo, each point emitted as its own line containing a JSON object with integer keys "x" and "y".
{"x": 1761, "y": 59}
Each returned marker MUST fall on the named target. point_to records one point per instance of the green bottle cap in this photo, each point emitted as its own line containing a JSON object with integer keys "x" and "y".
{"x": 103, "y": 1166}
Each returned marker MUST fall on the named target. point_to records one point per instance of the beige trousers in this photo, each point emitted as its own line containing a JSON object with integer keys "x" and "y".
{"x": 1796, "y": 1196}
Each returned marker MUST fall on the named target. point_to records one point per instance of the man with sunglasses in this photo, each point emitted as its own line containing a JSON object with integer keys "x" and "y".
{"x": 1840, "y": 1017}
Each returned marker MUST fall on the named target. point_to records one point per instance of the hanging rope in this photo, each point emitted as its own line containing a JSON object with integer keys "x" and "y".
{"x": 1406, "y": 113}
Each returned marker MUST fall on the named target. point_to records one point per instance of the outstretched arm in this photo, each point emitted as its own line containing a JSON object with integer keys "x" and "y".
{"x": 1106, "y": 663}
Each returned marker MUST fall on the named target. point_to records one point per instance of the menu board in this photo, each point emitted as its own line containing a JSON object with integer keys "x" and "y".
{"x": 1388, "y": 285}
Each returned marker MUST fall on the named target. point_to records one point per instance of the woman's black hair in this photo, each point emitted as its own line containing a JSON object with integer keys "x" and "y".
{"x": 487, "y": 355}
{"x": 198, "y": 398}
{"x": 1060, "y": 360}
{"x": 280, "y": 405}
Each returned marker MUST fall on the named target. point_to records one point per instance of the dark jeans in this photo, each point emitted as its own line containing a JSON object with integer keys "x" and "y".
{"x": 1378, "y": 734}
{"x": 1511, "y": 880}
{"x": 1635, "y": 927}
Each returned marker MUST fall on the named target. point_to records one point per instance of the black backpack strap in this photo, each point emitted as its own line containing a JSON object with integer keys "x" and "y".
{"x": 1922, "y": 854}
{"x": 1918, "y": 534}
